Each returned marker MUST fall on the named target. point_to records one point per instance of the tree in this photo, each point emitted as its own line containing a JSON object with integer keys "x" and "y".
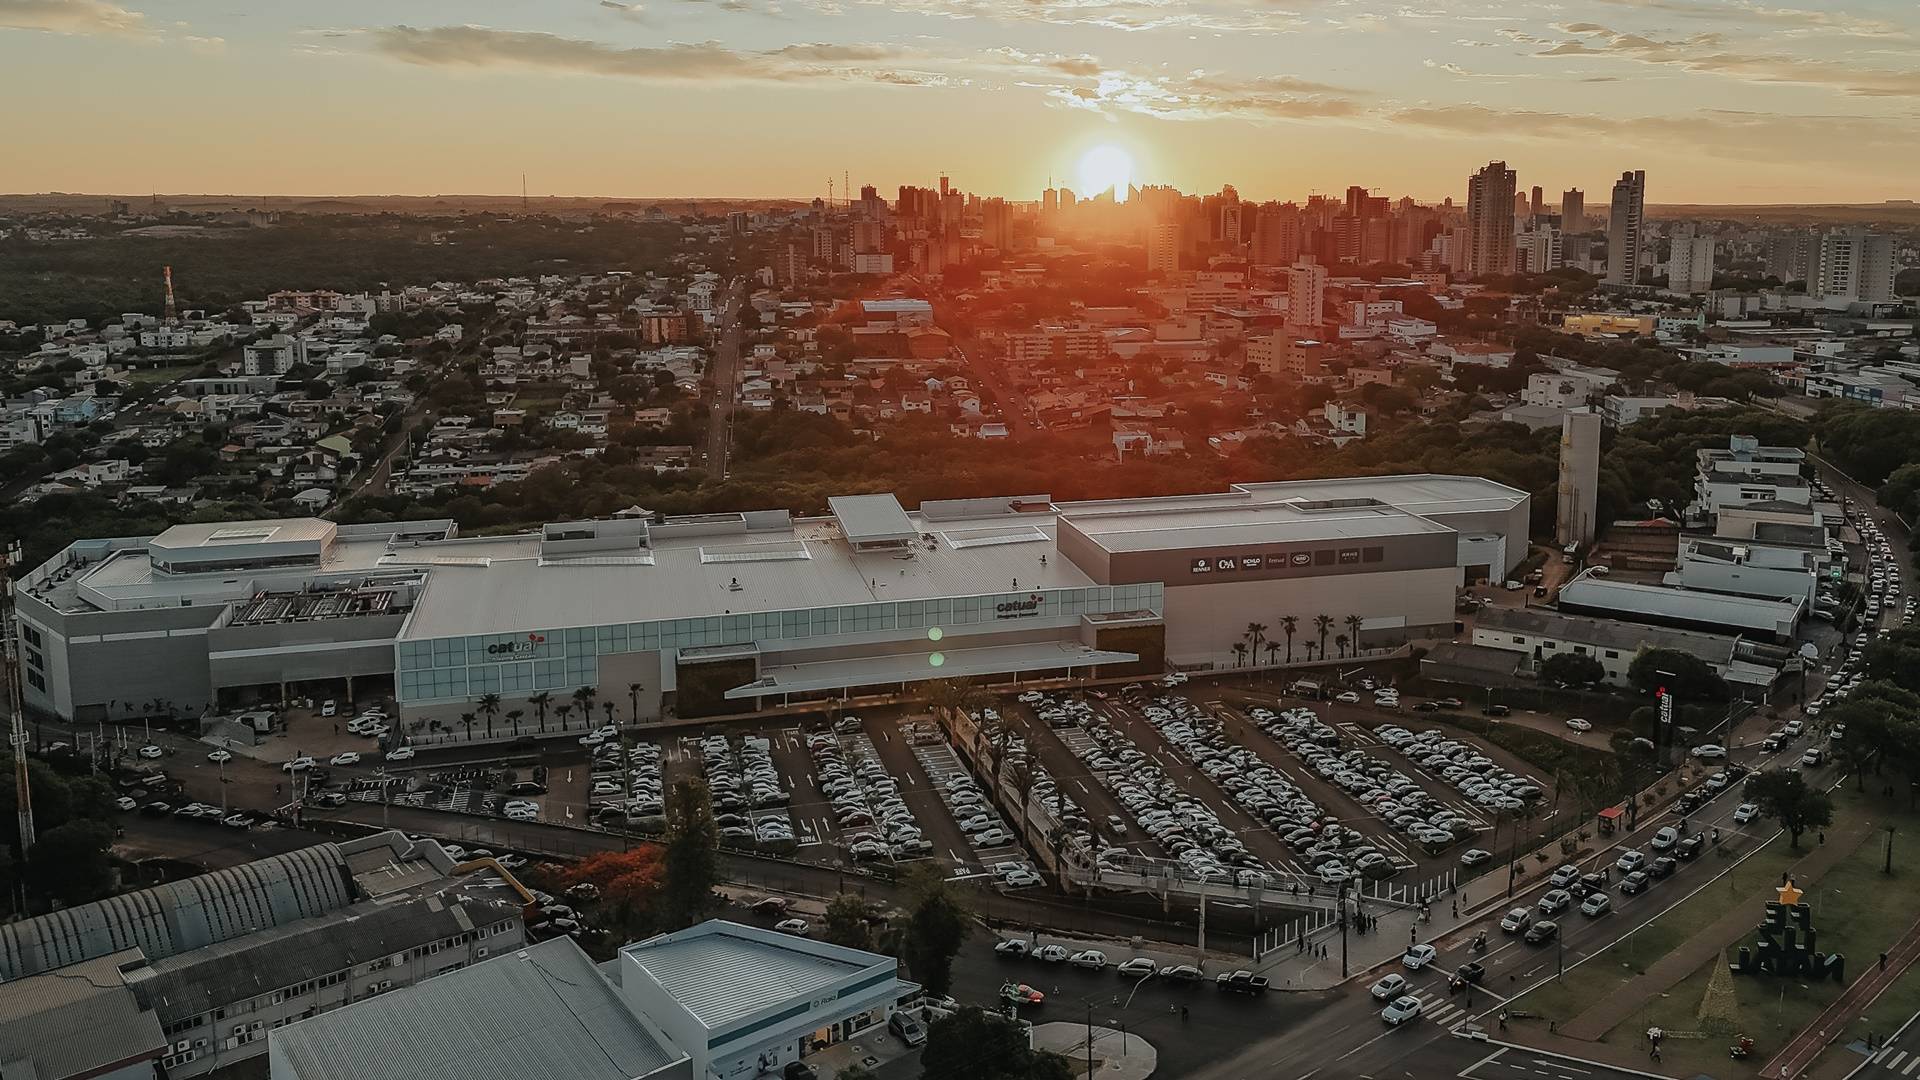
{"x": 1289, "y": 625}
{"x": 846, "y": 922}
{"x": 630, "y": 884}
{"x": 513, "y": 717}
{"x": 1690, "y": 679}
{"x": 973, "y": 1044}
{"x": 1572, "y": 669}
{"x": 1340, "y": 642}
{"x": 633, "y": 702}
{"x": 1239, "y": 654}
{"x": 1354, "y": 623}
{"x": 1322, "y": 624}
{"x": 489, "y": 708}
{"x": 1783, "y": 795}
{"x": 937, "y": 926}
{"x": 1256, "y": 633}
{"x": 692, "y": 862}
{"x": 583, "y": 697}
{"x": 466, "y": 721}
{"x": 540, "y": 701}
{"x": 1273, "y": 652}
{"x": 69, "y": 864}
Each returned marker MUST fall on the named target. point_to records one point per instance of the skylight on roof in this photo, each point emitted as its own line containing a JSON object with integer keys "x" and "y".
{"x": 242, "y": 534}
{"x": 781, "y": 551}
{"x": 972, "y": 538}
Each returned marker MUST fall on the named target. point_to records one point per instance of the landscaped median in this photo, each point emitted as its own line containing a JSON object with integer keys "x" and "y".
{"x": 1670, "y": 973}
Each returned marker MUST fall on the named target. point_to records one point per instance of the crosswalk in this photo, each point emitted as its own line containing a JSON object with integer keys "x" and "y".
{"x": 1445, "y": 1010}
{"x": 1898, "y": 1062}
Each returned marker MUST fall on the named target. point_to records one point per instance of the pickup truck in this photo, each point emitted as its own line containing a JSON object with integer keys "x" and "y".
{"x": 1241, "y": 982}
{"x": 1471, "y": 972}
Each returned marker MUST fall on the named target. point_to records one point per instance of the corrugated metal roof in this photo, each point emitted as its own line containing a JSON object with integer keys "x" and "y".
{"x": 868, "y": 518}
{"x": 543, "y": 1011}
{"x": 181, "y": 915}
{"x": 720, "y": 976}
{"x": 77, "y": 1023}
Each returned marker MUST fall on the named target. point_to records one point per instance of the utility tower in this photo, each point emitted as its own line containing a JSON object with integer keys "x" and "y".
{"x": 17, "y": 713}
{"x": 172, "y": 313}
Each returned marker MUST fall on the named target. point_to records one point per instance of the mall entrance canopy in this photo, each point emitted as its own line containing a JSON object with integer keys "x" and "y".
{"x": 921, "y": 666}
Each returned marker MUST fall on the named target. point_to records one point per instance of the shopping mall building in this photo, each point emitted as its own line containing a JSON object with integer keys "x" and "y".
{"x": 729, "y": 612}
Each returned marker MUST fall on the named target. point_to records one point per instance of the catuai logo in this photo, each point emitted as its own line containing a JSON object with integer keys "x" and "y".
{"x": 506, "y": 650}
{"x": 1013, "y": 609}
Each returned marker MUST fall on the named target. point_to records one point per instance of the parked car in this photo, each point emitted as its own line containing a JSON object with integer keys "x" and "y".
{"x": 1241, "y": 982}
{"x": 1011, "y": 947}
{"x": 1577, "y": 724}
{"x": 910, "y": 1030}
{"x": 1541, "y": 932}
{"x": 1138, "y": 968}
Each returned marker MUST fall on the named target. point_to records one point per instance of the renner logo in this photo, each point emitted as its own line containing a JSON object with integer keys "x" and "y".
{"x": 1014, "y": 609}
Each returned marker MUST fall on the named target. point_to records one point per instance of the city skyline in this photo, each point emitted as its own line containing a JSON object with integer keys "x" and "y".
{"x": 770, "y": 98}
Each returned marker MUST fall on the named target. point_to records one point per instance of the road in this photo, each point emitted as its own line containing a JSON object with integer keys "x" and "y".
{"x": 991, "y": 373}
{"x": 725, "y": 383}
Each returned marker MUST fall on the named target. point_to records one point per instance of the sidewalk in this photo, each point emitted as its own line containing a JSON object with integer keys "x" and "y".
{"x": 1289, "y": 969}
{"x": 1116, "y": 1055}
{"x": 1736, "y": 924}
{"x": 1832, "y": 1022}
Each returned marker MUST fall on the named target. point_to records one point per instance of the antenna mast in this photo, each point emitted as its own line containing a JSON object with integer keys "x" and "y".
{"x": 17, "y": 732}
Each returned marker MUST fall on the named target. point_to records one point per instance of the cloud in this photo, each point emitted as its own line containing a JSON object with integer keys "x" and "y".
{"x": 1790, "y": 19}
{"x": 1204, "y": 96}
{"x": 72, "y": 17}
{"x": 1225, "y": 16}
{"x": 1705, "y": 54}
{"x": 1748, "y": 135}
{"x": 1456, "y": 69}
{"x": 633, "y": 12}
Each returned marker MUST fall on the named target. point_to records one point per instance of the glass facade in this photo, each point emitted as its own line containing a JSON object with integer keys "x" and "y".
{"x": 462, "y": 668}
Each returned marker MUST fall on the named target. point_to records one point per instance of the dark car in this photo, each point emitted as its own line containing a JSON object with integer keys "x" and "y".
{"x": 1498, "y": 710}
{"x": 527, "y": 787}
{"x": 1690, "y": 847}
{"x": 799, "y": 1070}
{"x": 1664, "y": 866}
{"x": 1635, "y": 882}
{"x": 1426, "y": 706}
{"x": 1449, "y": 702}
{"x": 1593, "y": 882}
{"x": 1541, "y": 932}
{"x": 1472, "y": 972}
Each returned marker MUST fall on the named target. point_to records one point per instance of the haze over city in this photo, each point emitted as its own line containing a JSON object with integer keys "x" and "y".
{"x": 1730, "y": 101}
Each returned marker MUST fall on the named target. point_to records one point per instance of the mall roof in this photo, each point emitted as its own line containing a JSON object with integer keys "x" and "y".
{"x": 1633, "y": 600}
{"x": 544, "y": 1010}
{"x": 722, "y": 972}
{"x": 1624, "y": 637}
{"x": 82, "y": 1021}
{"x": 1152, "y": 528}
{"x": 867, "y": 519}
{"x": 266, "y": 530}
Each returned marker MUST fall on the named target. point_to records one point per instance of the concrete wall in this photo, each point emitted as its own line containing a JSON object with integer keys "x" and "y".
{"x": 297, "y": 651}
{"x": 1205, "y": 621}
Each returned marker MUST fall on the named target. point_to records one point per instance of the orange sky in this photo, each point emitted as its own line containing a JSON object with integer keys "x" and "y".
{"x": 1719, "y": 100}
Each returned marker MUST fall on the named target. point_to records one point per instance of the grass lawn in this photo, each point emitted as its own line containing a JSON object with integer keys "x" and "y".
{"x": 173, "y": 373}
{"x": 1858, "y": 911}
{"x": 1606, "y": 973}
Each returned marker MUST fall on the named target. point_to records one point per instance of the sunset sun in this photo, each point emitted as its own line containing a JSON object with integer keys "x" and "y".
{"x": 1106, "y": 167}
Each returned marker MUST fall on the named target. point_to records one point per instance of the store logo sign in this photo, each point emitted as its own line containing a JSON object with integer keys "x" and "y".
{"x": 1018, "y": 609}
{"x": 513, "y": 650}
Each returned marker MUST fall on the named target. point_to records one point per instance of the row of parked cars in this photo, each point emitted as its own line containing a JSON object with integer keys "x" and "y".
{"x": 1395, "y": 799}
{"x": 1189, "y": 831}
{"x": 625, "y": 785}
{"x": 874, "y": 820}
{"x": 749, "y": 803}
{"x": 1483, "y": 781}
{"x": 1138, "y": 967}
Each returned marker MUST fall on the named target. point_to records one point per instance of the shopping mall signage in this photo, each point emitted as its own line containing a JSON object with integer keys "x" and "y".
{"x": 1019, "y": 609}
{"x": 1294, "y": 560}
{"x": 514, "y": 650}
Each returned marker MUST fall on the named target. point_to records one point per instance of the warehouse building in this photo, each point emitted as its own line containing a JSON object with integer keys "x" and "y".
{"x": 1539, "y": 635}
{"x": 717, "y": 1001}
{"x": 726, "y": 612}
{"x": 1766, "y": 621}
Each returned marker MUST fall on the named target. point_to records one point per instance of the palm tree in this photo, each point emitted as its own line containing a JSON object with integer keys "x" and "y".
{"x": 561, "y": 711}
{"x": 1020, "y": 776}
{"x": 1354, "y": 622}
{"x": 1322, "y": 624}
{"x": 467, "y": 718}
{"x": 1340, "y": 641}
{"x": 489, "y": 707}
{"x": 540, "y": 701}
{"x": 1288, "y": 625}
{"x": 513, "y": 717}
{"x": 610, "y": 708}
{"x": 633, "y": 701}
{"x": 1239, "y": 653}
{"x": 1273, "y": 651}
{"x": 583, "y": 697}
{"x": 1309, "y": 647}
{"x": 1256, "y": 633}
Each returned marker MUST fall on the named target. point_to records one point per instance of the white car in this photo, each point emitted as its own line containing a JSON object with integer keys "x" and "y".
{"x": 1418, "y": 956}
{"x": 1139, "y": 967}
{"x": 1052, "y": 954}
{"x": 345, "y": 758}
{"x": 1021, "y": 879}
{"x": 1348, "y": 698}
{"x": 400, "y": 753}
{"x": 219, "y": 756}
{"x": 299, "y": 764}
{"x": 1401, "y": 1010}
{"x": 151, "y": 751}
{"x": 1596, "y": 905}
{"x": 796, "y": 927}
{"x": 1710, "y": 752}
{"x": 1744, "y": 813}
{"x": 329, "y": 708}
{"x": 1577, "y": 724}
{"x": 125, "y": 803}
{"x": 1091, "y": 959}
{"x": 1389, "y": 987}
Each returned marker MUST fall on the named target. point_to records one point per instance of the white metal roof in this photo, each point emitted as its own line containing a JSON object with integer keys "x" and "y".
{"x": 866, "y": 519}
{"x": 721, "y": 972}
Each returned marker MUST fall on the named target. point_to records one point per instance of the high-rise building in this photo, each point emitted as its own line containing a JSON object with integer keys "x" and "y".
{"x": 1573, "y": 210}
{"x": 1539, "y": 202}
{"x": 1306, "y": 293}
{"x": 1276, "y": 235}
{"x": 1855, "y": 265}
{"x": 1689, "y": 261}
{"x": 1163, "y": 248}
{"x": 789, "y": 264}
{"x": 1625, "y": 219}
{"x": 1489, "y": 236}
{"x": 1579, "y": 478}
{"x": 1539, "y": 246}
{"x": 1793, "y": 255}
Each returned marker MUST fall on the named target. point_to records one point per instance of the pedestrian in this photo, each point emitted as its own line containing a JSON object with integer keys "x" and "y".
{"x": 1503, "y": 1019}
{"x": 1883, "y": 961}
{"x": 1656, "y": 1051}
{"x": 1823, "y": 836}
{"x": 1456, "y": 909}
{"x": 1552, "y": 1026}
